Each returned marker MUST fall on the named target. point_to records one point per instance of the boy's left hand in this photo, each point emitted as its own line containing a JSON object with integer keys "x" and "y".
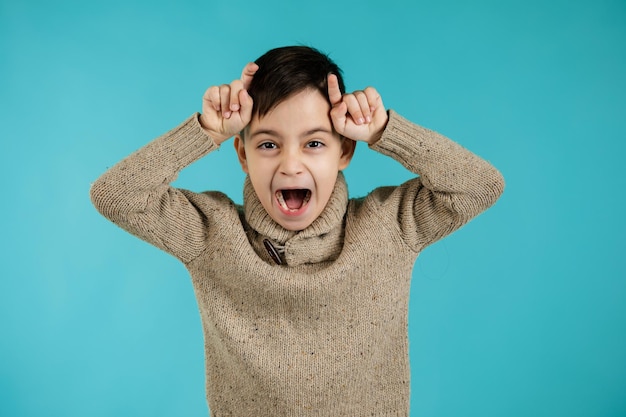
{"x": 360, "y": 115}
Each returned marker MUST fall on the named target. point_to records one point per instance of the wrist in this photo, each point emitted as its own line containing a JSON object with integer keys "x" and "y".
{"x": 379, "y": 133}
{"x": 217, "y": 138}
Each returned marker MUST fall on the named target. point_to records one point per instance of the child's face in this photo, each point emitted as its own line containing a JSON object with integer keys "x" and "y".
{"x": 293, "y": 156}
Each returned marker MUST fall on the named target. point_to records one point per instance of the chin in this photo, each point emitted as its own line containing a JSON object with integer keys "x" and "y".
{"x": 295, "y": 227}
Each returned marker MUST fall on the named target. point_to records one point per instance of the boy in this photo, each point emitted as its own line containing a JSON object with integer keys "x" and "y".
{"x": 303, "y": 292}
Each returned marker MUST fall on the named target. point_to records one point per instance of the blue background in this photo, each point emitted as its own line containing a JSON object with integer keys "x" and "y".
{"x": 520, "y": 313}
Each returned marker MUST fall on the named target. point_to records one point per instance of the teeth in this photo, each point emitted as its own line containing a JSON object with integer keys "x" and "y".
{"x": 283, "y": 204}
{"x": 281, "y": 200}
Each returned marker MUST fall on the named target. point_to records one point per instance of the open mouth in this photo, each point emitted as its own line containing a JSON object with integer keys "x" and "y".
{"x": 291, "y": 201}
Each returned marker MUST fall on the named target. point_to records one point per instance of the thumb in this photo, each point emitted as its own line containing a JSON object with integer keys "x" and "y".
{"x": 248, "y": 73}
{"x": 246, "y": 103}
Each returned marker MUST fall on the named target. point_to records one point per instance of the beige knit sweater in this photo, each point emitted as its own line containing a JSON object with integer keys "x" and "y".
{"x": 325, "y": 332}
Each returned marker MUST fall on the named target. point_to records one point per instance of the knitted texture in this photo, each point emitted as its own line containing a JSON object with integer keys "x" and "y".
{"x": 325, "y": 332}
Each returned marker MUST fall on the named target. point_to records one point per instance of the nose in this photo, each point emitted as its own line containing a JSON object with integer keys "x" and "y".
{"x": 291, "y": 163}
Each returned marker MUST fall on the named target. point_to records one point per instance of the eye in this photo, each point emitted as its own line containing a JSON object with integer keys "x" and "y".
{"x": 267, "y": 145}
{"x": 314, "y": 144}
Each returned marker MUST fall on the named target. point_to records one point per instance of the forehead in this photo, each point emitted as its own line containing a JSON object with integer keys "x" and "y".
{"x": 300, "y": 112}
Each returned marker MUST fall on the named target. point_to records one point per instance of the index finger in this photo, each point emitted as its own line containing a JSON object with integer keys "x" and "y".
{"x": 334, "y": 93}
{"x": 248, "y": 73}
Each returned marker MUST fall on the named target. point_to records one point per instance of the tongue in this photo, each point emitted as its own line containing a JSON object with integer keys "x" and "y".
{"x": 294, "y": 198}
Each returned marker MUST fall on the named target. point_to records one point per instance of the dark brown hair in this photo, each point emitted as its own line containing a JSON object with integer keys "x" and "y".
{"x": 289, "y": 70}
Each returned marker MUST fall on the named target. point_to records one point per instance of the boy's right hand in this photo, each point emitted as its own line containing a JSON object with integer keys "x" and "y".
{"x": 227, "y": 109}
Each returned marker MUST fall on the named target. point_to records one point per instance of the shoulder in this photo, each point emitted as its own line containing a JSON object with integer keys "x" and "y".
{"x": 210, "y": 201}
{"x": 375, "y": 218}
{"x": 386, "y": 206}
{"x": 386, "y": 197}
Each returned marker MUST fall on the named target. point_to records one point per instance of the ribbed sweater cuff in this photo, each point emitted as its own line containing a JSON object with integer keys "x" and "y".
{"x": 403, "y": 140}
{"x": 187, "y": 143}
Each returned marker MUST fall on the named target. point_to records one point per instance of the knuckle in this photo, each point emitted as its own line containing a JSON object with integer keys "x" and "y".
{"x": 371, "y": 93}
{"x": 350, "y": 99}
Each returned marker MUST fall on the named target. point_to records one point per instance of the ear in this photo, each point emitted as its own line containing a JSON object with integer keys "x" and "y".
{"x": 347, "y": 152}
{"x": 240, "y": 148}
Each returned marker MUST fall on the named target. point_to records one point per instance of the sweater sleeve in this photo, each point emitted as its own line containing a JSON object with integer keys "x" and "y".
{"x": 454, "y": 185}
{"x": 136, "y": 194}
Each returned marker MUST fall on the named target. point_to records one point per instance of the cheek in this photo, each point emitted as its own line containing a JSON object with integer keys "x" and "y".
{"x": 331, "y": 166}
{"x": 253, "y": 167}
{"x": 326, "y": 182}
{"x": 262, "y": 169}
{"x": 263, "y": 193}
{"x": 261, "y": 178}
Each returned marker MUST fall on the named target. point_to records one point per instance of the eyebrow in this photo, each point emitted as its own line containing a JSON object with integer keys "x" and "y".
{"x": 274, "y": 133}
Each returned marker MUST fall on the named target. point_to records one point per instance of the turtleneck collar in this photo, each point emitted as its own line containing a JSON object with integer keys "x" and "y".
{"x": 321, "y": 241}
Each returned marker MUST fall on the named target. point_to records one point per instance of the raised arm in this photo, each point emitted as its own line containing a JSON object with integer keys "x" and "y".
{"x": 136, "y": 193}
{"x": 454, "y": 184}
